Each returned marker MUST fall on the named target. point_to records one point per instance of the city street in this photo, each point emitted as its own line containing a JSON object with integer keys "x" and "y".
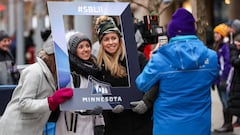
{"x": 217, "y": 118}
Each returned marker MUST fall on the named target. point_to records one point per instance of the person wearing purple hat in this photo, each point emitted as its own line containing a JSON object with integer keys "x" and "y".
{"x": 182, "y": 23}
{"x": 185, "y": 70}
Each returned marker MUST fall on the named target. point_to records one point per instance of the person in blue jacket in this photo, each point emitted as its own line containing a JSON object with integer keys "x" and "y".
{"x": 184, "y": 69}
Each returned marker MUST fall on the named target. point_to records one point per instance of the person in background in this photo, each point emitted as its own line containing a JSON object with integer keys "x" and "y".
{"x": 35, "y": 96}
{"x": 29, "y": 47}
{"x": 13, "y": 45}
{"x": 234, "y": 26}
{"x": 221, "y": 46}
{"x": 112, "y": 62}
{"x": 143, "y": 47}
{"x": 82, "y": 65}
{"x": 145, "y": 104}
{"x": 234, "y": 78}
{"x": 45, "y": 33}
{"x": 8, "y": 68}
{"x": 183, "y": 103}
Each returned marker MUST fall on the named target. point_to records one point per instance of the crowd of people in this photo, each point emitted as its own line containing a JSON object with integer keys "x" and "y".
{"x": 174, "y": 99}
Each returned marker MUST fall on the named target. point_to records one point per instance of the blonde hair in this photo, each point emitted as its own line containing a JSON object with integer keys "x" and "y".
{"x": 49, "y": 59}
{"x": 111, "y": 62}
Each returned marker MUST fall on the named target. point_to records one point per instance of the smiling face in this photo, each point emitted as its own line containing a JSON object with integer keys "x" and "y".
{"x": 5, "y": 43}
{"x": 84, "y": 50}
{"x": 217, "y": 36}
{"x": 110, "y": 42}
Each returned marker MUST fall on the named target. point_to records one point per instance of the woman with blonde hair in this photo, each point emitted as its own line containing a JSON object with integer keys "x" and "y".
{"x": 113, "y": 65}
{"x": 112, "y": 53}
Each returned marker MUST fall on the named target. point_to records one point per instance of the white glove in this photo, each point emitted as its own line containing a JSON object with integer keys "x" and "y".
{"x": 118, "y": 109}
{"x": 139, "y": 107}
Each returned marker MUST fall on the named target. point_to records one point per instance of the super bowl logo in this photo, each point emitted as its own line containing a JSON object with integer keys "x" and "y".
{"x": 99, "y": 88}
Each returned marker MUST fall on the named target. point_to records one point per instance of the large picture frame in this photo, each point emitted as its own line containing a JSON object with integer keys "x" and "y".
{"x": 97, "y": 93}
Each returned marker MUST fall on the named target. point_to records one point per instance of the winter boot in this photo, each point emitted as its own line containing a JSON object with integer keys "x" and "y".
{"x": 227, "y": 126}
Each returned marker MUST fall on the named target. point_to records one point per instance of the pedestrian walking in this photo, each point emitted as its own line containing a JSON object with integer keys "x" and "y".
{"x": 234, "y": 79}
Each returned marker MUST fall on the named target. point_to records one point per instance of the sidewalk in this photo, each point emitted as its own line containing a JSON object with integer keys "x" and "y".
{"x": 217, "y": 116}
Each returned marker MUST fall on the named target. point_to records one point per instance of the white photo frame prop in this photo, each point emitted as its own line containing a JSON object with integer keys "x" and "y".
{"x": 105, "y": 96}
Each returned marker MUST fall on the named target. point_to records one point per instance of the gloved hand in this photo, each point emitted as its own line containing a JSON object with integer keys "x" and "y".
{"x": 118, "y": 109}
{"x": 97, "y": 110}
{"x": 59, "y": 97}
{"x": 139, "y": 107}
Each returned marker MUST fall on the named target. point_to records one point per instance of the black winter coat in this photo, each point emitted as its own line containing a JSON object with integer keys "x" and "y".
{"x": 126, "y": 122}
{"x": 234, "y": 94}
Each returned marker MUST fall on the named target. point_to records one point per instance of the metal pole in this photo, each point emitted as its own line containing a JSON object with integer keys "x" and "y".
{"x": 20, "y": 39}
{"x": 40, "y": 11}
{"x": 11, "y": 17}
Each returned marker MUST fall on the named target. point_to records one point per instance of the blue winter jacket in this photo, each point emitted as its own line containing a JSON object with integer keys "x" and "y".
{"x": 185, "y": 69}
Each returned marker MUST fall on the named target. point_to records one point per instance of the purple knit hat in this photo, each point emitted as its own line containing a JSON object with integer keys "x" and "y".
{"x": 182, "y": 23}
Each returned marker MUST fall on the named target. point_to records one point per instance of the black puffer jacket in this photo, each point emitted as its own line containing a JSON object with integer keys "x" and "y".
{"x": 126, "y": 122}
{"x": 234, "y": 95}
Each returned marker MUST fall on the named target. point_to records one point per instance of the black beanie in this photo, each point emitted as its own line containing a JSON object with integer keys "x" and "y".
{"x": 3, "y": 35}
{"x": 237, "y": 37}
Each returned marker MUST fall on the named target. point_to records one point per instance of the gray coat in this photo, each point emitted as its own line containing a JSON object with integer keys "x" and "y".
{"x": 28, "y": 110}
{"x": 6, "y": 66}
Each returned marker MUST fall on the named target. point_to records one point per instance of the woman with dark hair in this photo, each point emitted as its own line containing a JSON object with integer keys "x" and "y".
{"x": 223, "y": 52}
{"x": 82, "y": 65}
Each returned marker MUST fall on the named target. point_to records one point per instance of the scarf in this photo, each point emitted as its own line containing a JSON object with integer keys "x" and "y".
{"x": 84, "y": 67}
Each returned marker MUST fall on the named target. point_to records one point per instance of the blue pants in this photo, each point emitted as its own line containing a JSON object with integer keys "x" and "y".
{"x": 223, "y": 95}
